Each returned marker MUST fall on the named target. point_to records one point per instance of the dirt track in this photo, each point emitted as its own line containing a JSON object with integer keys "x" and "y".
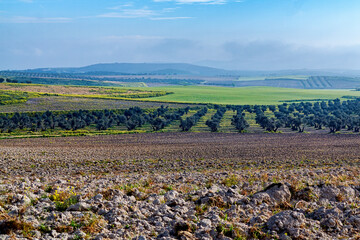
{"x": 161, "y": 152}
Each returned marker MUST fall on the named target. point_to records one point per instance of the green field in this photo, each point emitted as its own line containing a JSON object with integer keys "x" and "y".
{"x": 81, "y": 97}
{"x": 245, "y": 95}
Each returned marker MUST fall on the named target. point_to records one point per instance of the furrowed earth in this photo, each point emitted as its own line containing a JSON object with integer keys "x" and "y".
{"x": 163, "y": 152}
{"x": 56, "y": 103}
{"x": 181, "y": 186}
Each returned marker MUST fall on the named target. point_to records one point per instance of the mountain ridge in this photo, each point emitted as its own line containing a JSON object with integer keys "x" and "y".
{"x": 139, "y": 68}
{"x": 184, "y": 69}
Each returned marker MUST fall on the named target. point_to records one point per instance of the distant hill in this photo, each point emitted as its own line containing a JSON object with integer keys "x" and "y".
{"x": 139, "y": 68}
{"x": 184, "y": 69}
{"x": 158, "y": 74}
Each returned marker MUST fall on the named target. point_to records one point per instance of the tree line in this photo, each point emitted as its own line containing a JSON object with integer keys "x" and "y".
{"x": 332, "y": 114}
{"x": 214, "y": 122}
{"x": 9, "y": 80}
{"x": 189, "y": 122}
{"x": 132, "y": 118}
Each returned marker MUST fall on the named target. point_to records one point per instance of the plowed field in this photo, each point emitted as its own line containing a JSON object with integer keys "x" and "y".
{"x": 162, "y": 152}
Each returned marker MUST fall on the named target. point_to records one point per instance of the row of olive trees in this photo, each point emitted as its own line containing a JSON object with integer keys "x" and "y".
{"x": 189, "y": 122}
{"x": 214, "y": 122}
{"x": 132, "y": 118}
{"x": 160, "y": 121}
{"x": 333, "y": 114}
{"x": 238, "y": 120}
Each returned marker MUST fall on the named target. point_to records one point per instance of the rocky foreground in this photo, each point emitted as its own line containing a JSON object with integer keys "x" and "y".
{"x": 246, "y": 204}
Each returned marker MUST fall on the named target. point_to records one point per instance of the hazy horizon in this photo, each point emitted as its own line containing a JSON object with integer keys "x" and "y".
{"x": 329, "y": 70}
{"x": 228, "y": 34}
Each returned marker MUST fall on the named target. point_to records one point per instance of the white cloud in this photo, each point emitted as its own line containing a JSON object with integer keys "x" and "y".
{"x": 123, "y": 13}
{"x": 115, "y": 38}
{"x": 130, "y": 13}
{"x": 143, "y": 13}
{"x": 210, "y": 2}
{"x": 168, "y": 10}
{"x": 169, "y": 18}
{"x": 121, "y": 6}
{"x": 24, "y": 19}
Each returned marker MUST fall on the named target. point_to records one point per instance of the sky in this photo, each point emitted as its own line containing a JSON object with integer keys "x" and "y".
{"x": 230, "y": 34}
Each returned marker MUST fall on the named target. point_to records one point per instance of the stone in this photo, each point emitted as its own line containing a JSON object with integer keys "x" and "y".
{"x": 279, "y": 192}
{"x": 80, "y": 206}
{"x": 286, "y": 221}
{"x": 355, "y": 221}
{"x": 79, "y": 233}
{"x": 205, "y": 223}
{"x": 171, "y": 195}
{"x": 98, "y": 197}
{"x": 329, "y": 192}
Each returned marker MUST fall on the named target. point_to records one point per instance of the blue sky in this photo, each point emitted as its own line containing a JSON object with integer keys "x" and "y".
{"x": 232, "y": 34}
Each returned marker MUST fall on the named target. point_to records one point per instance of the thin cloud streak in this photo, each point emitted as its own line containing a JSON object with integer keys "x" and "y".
{"x": 144, "y": 13}
{"x": 129, "y": 13}
{"x": 209, "y": 2}
{"x": 129, "y": 37}
{"x": 24, "y": 19}
{"x": 120, "y": 6}
{"x": 169, "y": 18}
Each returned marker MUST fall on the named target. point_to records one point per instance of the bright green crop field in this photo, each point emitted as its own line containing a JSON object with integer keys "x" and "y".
{"x": 246, "y": 95}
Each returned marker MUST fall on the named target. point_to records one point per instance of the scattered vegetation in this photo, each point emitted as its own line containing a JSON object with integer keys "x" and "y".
{"x": 64, "y": 199}
{"x": 83, "y": 91}
{"x": 13, "y": 97}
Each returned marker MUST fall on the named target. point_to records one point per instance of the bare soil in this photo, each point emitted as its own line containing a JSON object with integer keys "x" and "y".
{"x": 163, "y": 152}
{"x": 59, "y": 103}
{"x": 181, "y": 186}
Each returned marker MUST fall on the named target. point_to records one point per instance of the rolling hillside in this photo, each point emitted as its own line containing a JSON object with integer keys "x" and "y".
{"x": 162, "y": 74}
{"x": 140, "y": 68}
